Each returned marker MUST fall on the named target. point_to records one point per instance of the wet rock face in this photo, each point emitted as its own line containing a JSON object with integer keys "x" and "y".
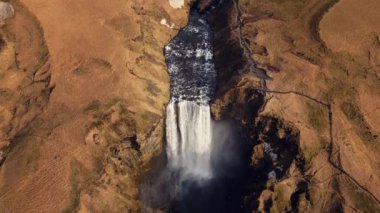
{"x": 268, "y": 146}
{"x": 275, "y": 160}
{"x": 287, "y": 46}
{"x": 277, "y": 149}
{"x": 273, "y": 166}
{"x": 229, "y": 54}
{"x": 246, "y": 99}
{"x": 271, "y": 152}
{"x": 204, "y": 6}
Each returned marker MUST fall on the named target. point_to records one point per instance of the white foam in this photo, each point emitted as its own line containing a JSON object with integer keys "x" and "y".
{"x": 207, "y": 54}
{"x": 189, "y": 139}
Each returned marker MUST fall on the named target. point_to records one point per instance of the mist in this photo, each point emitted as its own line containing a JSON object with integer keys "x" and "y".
{"x": 173, "y": 190}
{"x": 201, "y": 168}
{"x": 222, "y": 192}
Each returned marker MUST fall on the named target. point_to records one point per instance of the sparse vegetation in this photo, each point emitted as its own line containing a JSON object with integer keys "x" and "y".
{"x": 317, "y": 116}
{"x": 281, "y": 198}
{"x": 5, "y": 95}
{"x": 338, "y": 89}
{"x": 335, "y": 184}
{"x": 152, "y": 88}
{"x": 93, "y": 106}
{"x": 309, "y": 155}
{"x": 76, "y": 167}
{"x": 114, "y": 102}
{"x": 311, "y": 152}
{"x": 101, "y": 62}
{"x": 353, "y": 113}
{"x": 93, "y": 64}
{"x": 30, "y": 146}
{"x": 145, "y": 120}
{"x": 99, "y": 163}
{"x": 281, "y": 9}
{"x": 362, "y": 200}
{"x": 343, "y": 64}
{"x": 32, "y": 153}
{"x": 114, "y": 120}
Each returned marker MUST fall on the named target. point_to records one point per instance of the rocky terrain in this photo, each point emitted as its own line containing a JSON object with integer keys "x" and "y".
{"x": 83, "y": 87}
{"x": 318, "y": 109}
{"x": 84, "y": 84}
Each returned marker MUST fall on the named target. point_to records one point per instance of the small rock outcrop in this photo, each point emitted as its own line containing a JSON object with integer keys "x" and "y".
{"x": 6, "y": 11}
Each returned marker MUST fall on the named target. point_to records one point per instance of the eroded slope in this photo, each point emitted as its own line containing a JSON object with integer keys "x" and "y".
{"x": 329, "y": 97}
{"x": 105, "y": 113}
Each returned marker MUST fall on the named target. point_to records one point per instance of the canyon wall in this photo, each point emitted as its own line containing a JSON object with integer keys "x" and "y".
{"x": 313, "y": 140}
{"x": 84, "y": 85}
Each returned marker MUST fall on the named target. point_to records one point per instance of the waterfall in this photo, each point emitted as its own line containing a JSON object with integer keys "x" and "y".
{"x": 189, "y": 57}
{"x": 188, "y": 132}
{"x": 204, "y": 159}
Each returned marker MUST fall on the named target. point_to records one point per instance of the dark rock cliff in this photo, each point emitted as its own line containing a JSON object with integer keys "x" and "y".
{"x": 273, "y": 160}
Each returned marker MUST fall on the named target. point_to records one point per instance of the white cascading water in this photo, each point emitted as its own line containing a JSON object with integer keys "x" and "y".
{"x": 189, "y": 57}
{"x": 188, "y": 133}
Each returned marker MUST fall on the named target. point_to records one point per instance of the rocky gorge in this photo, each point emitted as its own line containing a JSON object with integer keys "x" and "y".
{"x": 308, "y": 173}
{"x": 83, "y": 126}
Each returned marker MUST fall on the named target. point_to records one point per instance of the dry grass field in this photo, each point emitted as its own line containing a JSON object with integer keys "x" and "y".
{"x": 83, "y": 86}
{"x": 107, "y": 53}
